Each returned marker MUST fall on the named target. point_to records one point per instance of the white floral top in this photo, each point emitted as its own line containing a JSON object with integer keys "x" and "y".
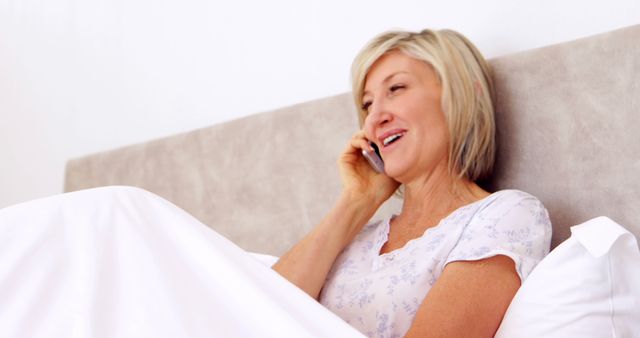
{"x": 380, "y": 294}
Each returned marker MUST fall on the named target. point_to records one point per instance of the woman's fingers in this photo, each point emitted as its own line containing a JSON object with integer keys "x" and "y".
{"x": 358, "y": 176}
{"x": 359, "y": 141}
{"x": 353, "y": 158}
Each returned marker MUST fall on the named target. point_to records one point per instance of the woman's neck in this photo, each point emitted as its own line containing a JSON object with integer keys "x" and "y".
{"x": 429, "y": 199}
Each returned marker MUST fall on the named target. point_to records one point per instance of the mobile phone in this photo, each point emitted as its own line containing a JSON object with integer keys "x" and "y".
{"x": 374, "y": 158}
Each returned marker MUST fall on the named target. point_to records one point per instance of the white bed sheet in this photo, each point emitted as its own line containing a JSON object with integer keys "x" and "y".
{"x": 122, "y": 262}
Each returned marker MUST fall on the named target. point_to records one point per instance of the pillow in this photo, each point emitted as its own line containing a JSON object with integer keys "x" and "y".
{"x": 588, "y": 286}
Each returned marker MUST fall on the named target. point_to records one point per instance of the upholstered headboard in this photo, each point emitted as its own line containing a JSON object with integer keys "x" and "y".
{"x": 568, "y": 117}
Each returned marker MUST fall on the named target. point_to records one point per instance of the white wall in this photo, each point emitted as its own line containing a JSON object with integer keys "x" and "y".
{"x": 78, "y": 77}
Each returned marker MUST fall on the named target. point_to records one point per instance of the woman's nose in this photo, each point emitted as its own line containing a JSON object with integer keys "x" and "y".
{"x": 378, "y": 116}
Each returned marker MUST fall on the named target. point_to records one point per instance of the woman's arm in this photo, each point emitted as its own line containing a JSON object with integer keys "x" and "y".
{"x": 468, "y": 300}
{"x": 363, "y": 191}
{"x": 307, "y": 264}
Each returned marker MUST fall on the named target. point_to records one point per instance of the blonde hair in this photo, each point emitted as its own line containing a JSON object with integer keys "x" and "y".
{"x": 467, "y": 91}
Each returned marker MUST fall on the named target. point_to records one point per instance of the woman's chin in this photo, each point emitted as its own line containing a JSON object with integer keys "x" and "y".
{"x": 397, "y": 173}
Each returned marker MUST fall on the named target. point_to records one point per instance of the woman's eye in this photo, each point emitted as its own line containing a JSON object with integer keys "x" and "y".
{"x": 366, "y": 105}
{"x": 396, "y": 87}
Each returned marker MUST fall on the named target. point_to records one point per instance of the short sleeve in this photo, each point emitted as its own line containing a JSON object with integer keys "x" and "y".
{"x": 514, "y": 224}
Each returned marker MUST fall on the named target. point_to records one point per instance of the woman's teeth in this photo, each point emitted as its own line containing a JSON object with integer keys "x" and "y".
{"x": 392, "y": 138}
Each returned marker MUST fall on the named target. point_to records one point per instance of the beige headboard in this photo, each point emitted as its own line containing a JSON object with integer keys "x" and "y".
{"x": 568, "y": 119}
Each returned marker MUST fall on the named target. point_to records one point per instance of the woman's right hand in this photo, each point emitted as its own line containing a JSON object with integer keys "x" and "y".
{"x": 359, "y": 180}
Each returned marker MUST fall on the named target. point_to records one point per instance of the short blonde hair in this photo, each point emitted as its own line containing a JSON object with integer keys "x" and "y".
{"x": 467, "y": 91}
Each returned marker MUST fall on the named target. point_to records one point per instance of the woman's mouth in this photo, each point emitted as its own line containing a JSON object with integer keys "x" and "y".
{"x": 392, "y": 137}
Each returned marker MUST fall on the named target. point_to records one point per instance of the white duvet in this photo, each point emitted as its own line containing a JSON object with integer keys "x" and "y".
{"x": 122, "y": 262}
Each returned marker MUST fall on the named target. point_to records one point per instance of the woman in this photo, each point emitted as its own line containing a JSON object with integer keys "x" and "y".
{"x": 121, "y": 262}
{"x": 449, "y": 264}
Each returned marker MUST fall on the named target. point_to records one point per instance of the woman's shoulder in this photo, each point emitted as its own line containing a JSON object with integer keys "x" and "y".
{"x": 512, "y": 194}
{"x": 508, "y": 222}
{"x": 515, "y": 206}
{"x": 511, "y": 198}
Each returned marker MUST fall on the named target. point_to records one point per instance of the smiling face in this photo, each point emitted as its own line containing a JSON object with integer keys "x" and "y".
{"x": 402, "y": 96}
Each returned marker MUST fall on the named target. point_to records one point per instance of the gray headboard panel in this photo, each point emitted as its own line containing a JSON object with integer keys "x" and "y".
{"x": 568, "y": 118}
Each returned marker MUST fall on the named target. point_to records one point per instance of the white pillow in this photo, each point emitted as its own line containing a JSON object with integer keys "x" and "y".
{"x": 588, "y": 286}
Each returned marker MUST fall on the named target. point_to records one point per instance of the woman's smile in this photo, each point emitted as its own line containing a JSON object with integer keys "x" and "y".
{"x": 390, "y": 137}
